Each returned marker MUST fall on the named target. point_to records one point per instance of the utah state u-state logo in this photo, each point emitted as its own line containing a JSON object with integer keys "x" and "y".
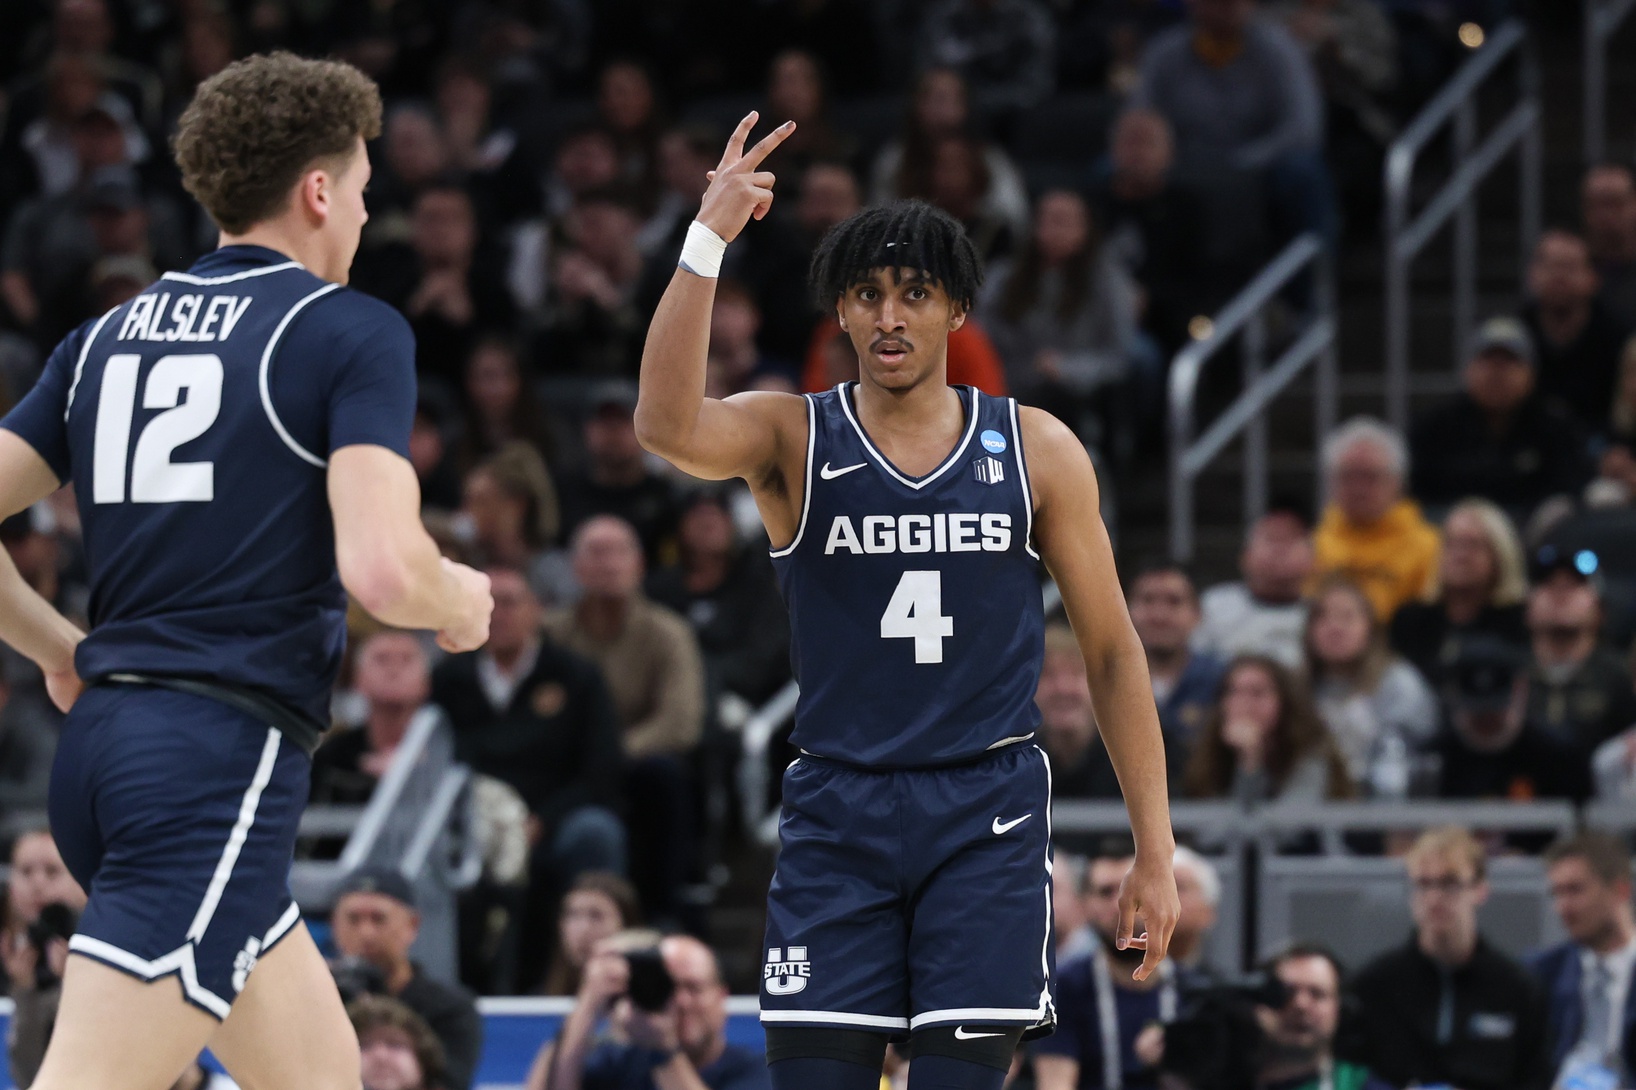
{"x": 786, "y": 976}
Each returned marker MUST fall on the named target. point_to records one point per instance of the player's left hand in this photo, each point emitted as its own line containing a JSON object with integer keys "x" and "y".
{"x": 64, "y": 687}
{"x": 1149, "y": 892}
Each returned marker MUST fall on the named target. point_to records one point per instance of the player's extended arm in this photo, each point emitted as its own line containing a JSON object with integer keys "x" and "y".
{"x": 738, "y": 437}
{"x": 1074, "y": 544}
{"x": 388, "y": 561}
{"x": 27, "y": 621}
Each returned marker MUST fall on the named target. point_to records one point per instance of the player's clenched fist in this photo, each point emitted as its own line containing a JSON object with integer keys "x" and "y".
{"x": 472, "y": 631}
{"x": 738, "y": 190}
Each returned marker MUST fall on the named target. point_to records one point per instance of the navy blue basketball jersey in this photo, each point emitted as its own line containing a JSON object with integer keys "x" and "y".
{"x": 915, "y": 610}
{"x": 195, "y": 422}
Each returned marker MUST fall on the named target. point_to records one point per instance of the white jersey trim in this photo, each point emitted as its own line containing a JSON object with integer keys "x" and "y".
{"x": 954, "y": 456}
{"x": 1027, "y": 1016}
{"x": 837, "y": 1018}
{"x": 85, "y": 351}
{"x": 235, "y": 840}
{"x": 266, "y": 363}
{"x": 806, "y": 497}
{"x": 178, "y": 961}
{"x": 1022, "y": 478}
{"x": 189, "y": 278}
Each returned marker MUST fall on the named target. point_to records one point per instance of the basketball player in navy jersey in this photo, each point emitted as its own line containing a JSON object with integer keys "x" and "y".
{"x": 237, "y": 438}
{"x": 909, "y": 520}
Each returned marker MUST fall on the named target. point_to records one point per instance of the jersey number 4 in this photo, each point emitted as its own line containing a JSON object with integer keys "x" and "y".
{"x": 154, "y": 477}
{"x": 916, "y": 613}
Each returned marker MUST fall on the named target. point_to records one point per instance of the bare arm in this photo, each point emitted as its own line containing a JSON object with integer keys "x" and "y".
{"x": 389, "y": 562}
{"x": 706, "y": 437}
{"x": 28, "y": 622}
{"x": 1074, "y": 544}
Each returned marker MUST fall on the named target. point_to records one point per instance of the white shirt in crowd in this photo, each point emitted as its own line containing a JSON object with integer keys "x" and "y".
{"x": 1234, "y": 623}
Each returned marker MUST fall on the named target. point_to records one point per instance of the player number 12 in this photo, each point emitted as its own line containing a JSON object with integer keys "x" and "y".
{"x": 154, "y": 477}
{"x": 916, "y": 612}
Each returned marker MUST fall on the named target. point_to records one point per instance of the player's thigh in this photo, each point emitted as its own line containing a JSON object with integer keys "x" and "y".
{"x": 980, "y": 945}
{"x": 116, "y": 1032}
{"x": 288, "y": 1029}
{"x": 835, "y": 912}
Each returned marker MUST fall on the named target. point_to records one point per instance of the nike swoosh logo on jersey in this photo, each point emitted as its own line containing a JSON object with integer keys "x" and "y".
{"x": 829, "y": 474}
{"x": 1001, "y": 827}
{"x": 960, "y": 1034}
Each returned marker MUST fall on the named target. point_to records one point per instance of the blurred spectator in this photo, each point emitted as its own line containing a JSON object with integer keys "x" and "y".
{"x": 539, "y": 718}
{"x": 686, "y": 156}
{"x": 1153, "y": 224}
{"x": 1608, "y": 207}
{"x": 1198, "y": 888}
{"x": 28, "y": 744}
{"x": 1371, "y": 531}
{"x": 500, "y": 404}
{"x": 1240, "y": 94}
{"x": 597, "y": 906}
{"x": 1499, "y": 438}
{"x": 374, "y": 922}
{"x": 38, "y": 878}
{"x": 414, "y": 157}
{"x": 449, "y": 296}
{"x": 1490, "y": 749}
{"x": 592, "y": 326}
{"x": 684, "y": 1044}
{"x": 797, "y": 91}
{"x": 1577, "y": 339}
{"x": 1301, "y": 1034}
{"x": 1164, "y": 606}
{"x": 587, "y": 160}
{"x": 1586, "y": 980}
{"x": 207, "y": 46}
{"x": 1063, "y": 315}
{"x": 1479, "y": 591}
{"x": 616, "y": 479}
{"x": 1264, "y": 741}
{"x": 1098, "y": 985}
{"x": 397, "y": 1049}
{"x": 651, "y": 663}
{"x": 1265, "y": 613}
{"x": 1578, "y": 688}
{"x": 962, "y": 186}
{"x": 390, "y": 673}
{"x": 511, "y": 506}
{"x": 940, "y": 109}
{"x": 43, "y": 900}
{"x": 736, "y": 362}
{"x": 1080, "y": 766}
{"x": 1376, "y": 706}
{"x": 483, "y": 148}
{"x": 1621, "y": 422}
{"x": 1448, "y": 1008}
{"x": 1614, "y": 763}
{"x": 628, "y": 106}
{"x": 725, "y": 589}
{"x": 1069, "y": 924}
{"x": 429, "y": 454}
{"x": 828, "y": 195}
{"x": 43, "y": 126}
{"x": 1002, "y": 49}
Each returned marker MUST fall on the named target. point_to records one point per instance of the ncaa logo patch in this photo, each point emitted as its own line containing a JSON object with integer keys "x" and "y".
{"x": 993, "y": 441}
{"x": 786, "y": 976}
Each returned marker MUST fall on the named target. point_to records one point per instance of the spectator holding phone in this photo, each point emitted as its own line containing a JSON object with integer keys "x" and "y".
{"x": 665, "y": 1008}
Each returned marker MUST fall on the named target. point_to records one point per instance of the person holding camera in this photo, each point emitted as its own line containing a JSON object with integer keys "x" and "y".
{"x": 375, "y": 923}
{"x": 43, "y": 903}
{"x": 1298, "y": 1038}
{"x": 666, "y": 1012}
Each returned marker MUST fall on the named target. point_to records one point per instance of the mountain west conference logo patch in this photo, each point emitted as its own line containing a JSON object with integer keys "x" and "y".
{"x": 786, "y": 976}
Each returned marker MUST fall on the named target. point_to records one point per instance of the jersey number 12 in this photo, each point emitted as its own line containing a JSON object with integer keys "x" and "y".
{"x": 916, "y": 613}
{"x": 154, "y": 477}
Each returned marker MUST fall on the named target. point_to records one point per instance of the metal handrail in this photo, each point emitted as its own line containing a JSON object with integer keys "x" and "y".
{"x": 1602, "y": 20}
{"x": 1407, "y": 234}
{"x": 1190, "y": 456}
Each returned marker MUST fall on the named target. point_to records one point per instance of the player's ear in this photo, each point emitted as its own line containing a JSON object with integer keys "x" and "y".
{"x": 957, "y": 316}
{"x": 313, "y": 194}
{"x": 840, "y": 310}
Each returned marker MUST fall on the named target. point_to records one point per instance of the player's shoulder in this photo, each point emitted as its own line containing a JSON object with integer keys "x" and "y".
{"x": 358, "y": 315}
{"x": 1046, "y": 437}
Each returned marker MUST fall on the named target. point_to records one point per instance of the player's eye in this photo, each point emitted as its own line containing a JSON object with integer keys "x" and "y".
{"x": 917, "y": 294}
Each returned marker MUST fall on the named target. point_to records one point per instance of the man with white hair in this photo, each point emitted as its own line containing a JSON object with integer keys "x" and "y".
{"x": 1371, "y": 531}
{"x": 1199, "y": 887}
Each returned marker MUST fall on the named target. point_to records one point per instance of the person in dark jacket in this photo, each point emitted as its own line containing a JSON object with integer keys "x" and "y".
{"x": 1587, "y": 979}
{"x": 1447, "y": 1008}
{"x": 1577, "y": 338}
{"x": 1500, "y": 438}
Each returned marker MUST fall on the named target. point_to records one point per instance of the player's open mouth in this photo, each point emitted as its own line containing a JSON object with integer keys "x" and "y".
{"x": 891, "y": 351}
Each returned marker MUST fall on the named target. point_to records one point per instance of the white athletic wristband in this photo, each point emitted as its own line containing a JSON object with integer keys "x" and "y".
{"x": 702, "y": 252}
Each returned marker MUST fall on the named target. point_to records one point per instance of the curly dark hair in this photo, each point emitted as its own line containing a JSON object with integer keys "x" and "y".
{"x": 370, "y": 1013}
{"x": 258, "y": 124}
{"x": 900, "y": 235}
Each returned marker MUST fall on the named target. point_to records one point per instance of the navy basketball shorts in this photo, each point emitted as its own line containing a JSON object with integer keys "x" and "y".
{"x": 178, "y": 815}
{"x": 905, "y": 900}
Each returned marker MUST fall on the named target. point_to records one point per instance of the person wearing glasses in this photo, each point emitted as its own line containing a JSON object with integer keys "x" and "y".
{"x": 1447, "y": 1009}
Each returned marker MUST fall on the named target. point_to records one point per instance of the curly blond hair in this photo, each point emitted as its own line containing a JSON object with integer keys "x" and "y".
{"x": 257, "y": 125}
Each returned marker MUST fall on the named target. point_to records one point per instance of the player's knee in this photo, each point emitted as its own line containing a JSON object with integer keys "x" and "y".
{"x": 989, "y": 1046}
{"x": 853, "y": 1046}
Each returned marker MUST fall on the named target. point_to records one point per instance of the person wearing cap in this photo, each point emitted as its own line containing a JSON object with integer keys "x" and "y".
{"x": 616, "y": 478}
{"x": 1265, "y": 612}
{"x": 375, "y": 920}
{"x": 1578, "y": 688}
{"x": 1500, "y": 438}
{"x": 1371, "y": 531}
{"x": 1489, "y": 748}
{"x": 1577, "y": 339}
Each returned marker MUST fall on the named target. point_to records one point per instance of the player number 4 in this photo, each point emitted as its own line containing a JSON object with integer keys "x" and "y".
{"x": 916, "y": 613}
{"x": 154, "y": 477}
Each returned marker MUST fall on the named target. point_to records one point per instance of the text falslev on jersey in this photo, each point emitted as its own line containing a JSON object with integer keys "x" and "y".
{"x": 940, "y": 533}
{"x": 189, "y": 318}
